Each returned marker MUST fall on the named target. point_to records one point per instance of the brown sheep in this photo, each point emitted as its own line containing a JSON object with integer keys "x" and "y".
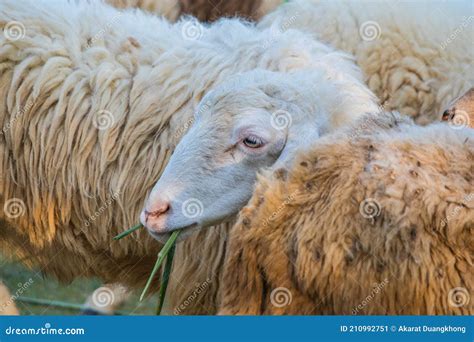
{"x": 204, "y": 10}
{"x": 211, "y": 10}
{"x": 365, "y": 223}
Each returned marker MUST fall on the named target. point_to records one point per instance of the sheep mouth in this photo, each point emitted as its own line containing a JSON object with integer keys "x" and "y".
{"x": 185, "y": 232}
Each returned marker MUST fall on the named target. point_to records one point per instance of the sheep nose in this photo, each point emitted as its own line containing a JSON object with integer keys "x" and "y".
{"x": 447, "y": 114}
{"x": 158, "y": 209}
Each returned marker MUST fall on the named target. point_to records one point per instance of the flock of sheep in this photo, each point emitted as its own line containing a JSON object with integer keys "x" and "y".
{"x": 303, "y": 183}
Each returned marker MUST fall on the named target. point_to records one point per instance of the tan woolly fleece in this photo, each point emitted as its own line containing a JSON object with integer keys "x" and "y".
{"x": 374, "y": 220}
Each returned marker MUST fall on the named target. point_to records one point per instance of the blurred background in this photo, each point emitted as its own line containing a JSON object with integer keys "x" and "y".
{"x": 49, "y": 297}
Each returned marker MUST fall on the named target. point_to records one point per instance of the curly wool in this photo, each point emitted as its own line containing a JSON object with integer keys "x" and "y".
{"x": 374, "y": 220}
{"x": 414, "y": 66}
{"x": 93, "y": 102}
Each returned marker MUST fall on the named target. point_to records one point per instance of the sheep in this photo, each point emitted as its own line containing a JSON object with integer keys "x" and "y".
{"x": 376, "y": 219}
{"x": 93, "y": 104}
{"x": 415, "y": 67}
{"x": 427, "y": 87}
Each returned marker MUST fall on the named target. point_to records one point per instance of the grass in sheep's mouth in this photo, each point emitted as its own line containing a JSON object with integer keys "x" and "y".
{"x": 166, "y": 252}
{"x": 128, "y": 232}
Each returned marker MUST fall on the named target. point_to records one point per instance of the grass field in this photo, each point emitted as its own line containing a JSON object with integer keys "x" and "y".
{"x": 14, "y": 275}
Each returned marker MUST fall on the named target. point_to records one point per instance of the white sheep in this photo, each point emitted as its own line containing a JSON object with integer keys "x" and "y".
{"x": 416, "y": 66}
{"x": 93, "y": 101}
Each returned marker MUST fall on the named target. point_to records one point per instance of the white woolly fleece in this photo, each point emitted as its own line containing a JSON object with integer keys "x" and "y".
{"x": 415, "y": 55}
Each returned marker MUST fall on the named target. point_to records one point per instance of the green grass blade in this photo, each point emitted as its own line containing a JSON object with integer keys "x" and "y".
{"x": 161, "y": 256}
{"x": 166, "y": 278}
{"x": 128, "y": 232}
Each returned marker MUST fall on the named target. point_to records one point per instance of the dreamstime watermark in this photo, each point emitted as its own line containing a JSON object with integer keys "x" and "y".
{"x": 46, "y": 330}
{"x": 102, "y": 208}
{"x": 286, "y": 202}
{"x": 277, "y": 30}
{"x": 457, "y": 209}
{"x": 370, "y": 208}
{"x": 458, "y": 296}
{"x": 375, "y": 290}
{"x": 459, "y": 120}
{"x": 370, "y": 30}
{"x": 281, "y": 297}
{"x": 103, "y": 120}
{"x": 14, "y": 30}
{"x": 192, "y": 208}
{"x": 103, "y": 297}
{"x": 14, "y": 208}
{"x": 22, "y": 287}
{"x": 192, "y": 30}
{"x": 103, "y": 31}
{"x": 458, "y": 30}
{"x": 200, "y": 288}
{"x": 281, "y": 119}
{"x": 183, "y": 128}
{"x": 19, "y": 113}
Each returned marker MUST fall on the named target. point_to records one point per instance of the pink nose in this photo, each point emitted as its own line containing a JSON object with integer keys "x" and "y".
{"x": 159, "y": 208}
{"x": 155, "y": 214}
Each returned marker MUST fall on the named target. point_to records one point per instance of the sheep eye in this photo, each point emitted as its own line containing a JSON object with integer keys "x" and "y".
{"x": 253, "y": 142}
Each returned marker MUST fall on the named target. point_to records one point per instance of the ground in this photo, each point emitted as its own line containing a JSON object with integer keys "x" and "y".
{"x": 14, "y": 275}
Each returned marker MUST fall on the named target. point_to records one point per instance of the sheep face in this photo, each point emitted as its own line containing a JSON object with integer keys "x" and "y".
{"x": 211, "y": 174}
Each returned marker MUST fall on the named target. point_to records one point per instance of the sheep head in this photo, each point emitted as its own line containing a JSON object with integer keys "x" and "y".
{"x": 254, "y": 121}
